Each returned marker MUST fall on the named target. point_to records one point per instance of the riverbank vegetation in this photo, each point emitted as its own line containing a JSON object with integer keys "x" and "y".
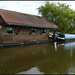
{"x": 60, "y": 14}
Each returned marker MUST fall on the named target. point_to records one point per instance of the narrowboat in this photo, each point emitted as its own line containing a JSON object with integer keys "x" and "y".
{"x": 65, "y": 36}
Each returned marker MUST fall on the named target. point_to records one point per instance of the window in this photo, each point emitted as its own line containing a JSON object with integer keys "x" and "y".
{"x": 33, "y": 31}
{"x": 44, "y": 31}
{"x": 9, "y": 30}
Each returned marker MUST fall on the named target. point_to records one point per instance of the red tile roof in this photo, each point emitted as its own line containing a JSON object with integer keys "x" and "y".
{"x": 25, "y": 19}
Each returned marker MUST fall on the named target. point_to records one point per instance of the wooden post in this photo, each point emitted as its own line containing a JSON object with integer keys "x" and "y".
{"x": 18, "y": 31}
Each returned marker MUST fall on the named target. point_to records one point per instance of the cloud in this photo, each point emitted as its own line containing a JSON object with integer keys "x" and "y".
{"x": 29, "y": 7}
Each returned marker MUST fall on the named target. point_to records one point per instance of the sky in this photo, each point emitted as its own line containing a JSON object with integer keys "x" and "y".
{"x": 29, "y": 7}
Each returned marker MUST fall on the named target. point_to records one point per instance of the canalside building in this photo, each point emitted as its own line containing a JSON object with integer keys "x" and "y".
{"x": 19, "y": 28}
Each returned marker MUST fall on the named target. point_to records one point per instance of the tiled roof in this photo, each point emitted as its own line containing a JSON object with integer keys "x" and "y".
{"x": 17, "y": 18}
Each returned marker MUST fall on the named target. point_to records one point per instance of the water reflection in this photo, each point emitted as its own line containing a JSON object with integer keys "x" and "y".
{"x": 47, "y": 58}
{"x": 33, "y": 70}
{"x": 68, "y": 46}
{"x": 17, "y": 59}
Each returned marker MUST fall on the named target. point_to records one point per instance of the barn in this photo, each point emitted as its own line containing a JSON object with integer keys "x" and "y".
{"x": 21, "y": 28}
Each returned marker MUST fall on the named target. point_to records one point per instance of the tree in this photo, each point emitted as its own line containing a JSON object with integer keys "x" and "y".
{"x": 60, "y": 14}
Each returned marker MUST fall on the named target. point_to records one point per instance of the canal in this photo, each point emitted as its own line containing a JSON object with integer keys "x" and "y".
{"x": 46, "y": 58}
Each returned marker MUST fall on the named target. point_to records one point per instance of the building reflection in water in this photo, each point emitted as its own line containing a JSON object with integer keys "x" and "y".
{"x": 47, "y": 58}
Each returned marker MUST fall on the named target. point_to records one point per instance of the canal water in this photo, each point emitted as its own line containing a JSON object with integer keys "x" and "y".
{"x": 46, "y": 58}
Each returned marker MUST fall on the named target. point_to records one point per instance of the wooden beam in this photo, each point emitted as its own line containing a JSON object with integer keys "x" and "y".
{"x": 18, "y": 31}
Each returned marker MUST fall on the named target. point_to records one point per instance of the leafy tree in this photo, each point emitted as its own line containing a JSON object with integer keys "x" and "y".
{"x": 60, "y": 14}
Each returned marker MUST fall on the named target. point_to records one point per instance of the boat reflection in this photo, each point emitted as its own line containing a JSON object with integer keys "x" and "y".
{"x": 67, "y": 45}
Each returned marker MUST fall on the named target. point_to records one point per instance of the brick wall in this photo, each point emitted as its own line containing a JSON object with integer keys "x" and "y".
{"x": 23, "y": 35}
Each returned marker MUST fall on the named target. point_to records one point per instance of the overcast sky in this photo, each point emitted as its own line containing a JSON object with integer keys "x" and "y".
{"x": 29, "y": 7}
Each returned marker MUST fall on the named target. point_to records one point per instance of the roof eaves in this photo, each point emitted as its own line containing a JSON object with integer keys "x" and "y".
{"x": 29, "y": 25}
